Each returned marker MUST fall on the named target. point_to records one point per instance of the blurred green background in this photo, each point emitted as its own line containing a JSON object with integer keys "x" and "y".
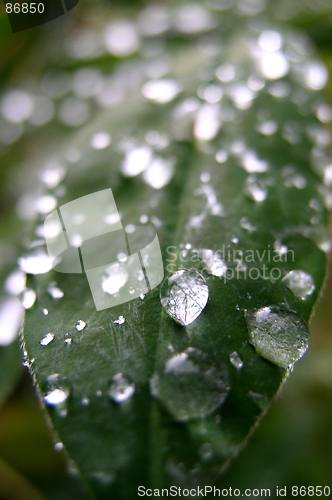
{"x": 293, "y": 444}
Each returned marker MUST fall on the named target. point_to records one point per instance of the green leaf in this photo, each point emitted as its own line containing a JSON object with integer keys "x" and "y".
{"x": 245, "y": 196}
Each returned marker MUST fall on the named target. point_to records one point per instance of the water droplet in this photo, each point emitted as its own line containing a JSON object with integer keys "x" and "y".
{"x": 184, "y": 295}
{"x": 47, "y": 339}
{"x": 246, "y": 224}
{"x": 255, "y": 189}
{"x": 85, "y": 401}
{"x": 159, "y": 172}
{"x": 278, "y": 334}
{"x": 121, "y": 37}
{"x": 120, "y": 320}
{"x": 221, "y": 156}
{"x": 190, "y": 384}
{"x": 213, "y": 262}
{"x": 142, "y": 296}
{"x": 120, "y": 389}
{"x": 54, "y": 291}
{"x": 102, "y": 478}
{"x": 98, "y": 393}
{"x": 80, "y": 325}
{"x": 100, "y": 140}
{"x": 236, "y": 360}
{"x": 57, "y": 390}
{"x": 252, "y": 163}
{"x": 206, "y": 452}
{"x": 45, "y": 312}
{"x": 136, "y": 161}
{"x": 300, "y": 283}
{"x": 38, "y": 262}
{"x": 67, "y": 339}
{"x": 161, "y": 91}
{"x": 28, "y": 298}
{"x": 58, "y": 447}
{"x": 267, "y": 128}
{"x": 207, "y": 122}
{"x": 16, "y": 106}
{"x": 15, "y": 283}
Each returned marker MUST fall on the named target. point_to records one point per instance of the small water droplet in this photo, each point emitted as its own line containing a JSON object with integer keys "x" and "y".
{"x": 120, "y": 320}
{"x": 80, "y": 325}
{"x": 142, "y": 296}
{"x": 85, "y": 401}
{"x": 54, "y": 291}
{"x": 255, "y": 189}
{"x": 184, "y": 295}
{"x": 206, "y": 452}
{"x": 45, "y": 312}
{"x": 278, "y": 334}
{"x": 28, "y": 298}
{"x": 190, "y": 384}
{"x": 57, "y": 390}
{"x": 213, "y": 263}
{"x": 47, "y": 339}
{"x": 58, "y": 447}
{"x": 98, "y": 393}
{"x": 300, "y": 283}
{"x": 236, "y": 360}
{"x": 67, "y": 339}
{"x": 120, "y": 389}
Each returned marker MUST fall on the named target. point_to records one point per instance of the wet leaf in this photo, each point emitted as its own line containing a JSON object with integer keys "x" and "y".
{"x": 225, "y": 159}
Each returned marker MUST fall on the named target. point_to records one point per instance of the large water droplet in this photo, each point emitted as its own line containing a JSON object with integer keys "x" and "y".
{"x": 190, "y": 384}
{"x": 57, "y": 390}
{"x": 278, "y": 334}
{"x": 120, "y": 389}
{"x": 184, "y": 295}
{"x": 300, "y": 283}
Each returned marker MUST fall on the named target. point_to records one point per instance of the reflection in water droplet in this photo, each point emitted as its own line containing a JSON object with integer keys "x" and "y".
{"x": 57, "y": 390}
{"x": 120, "y": 320}
{"x": 47, "y": 339}
{"x": 28, "y": 298}
{"x": 236, "y": 360}
{"x": 80, "y": 325}
{"x": 190, "y": 384}
{"x": 184, "y": 295}
{"x": 300, "y": 283}
{"x": 120, "y": 389}
{"x": 278, "y": 334}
